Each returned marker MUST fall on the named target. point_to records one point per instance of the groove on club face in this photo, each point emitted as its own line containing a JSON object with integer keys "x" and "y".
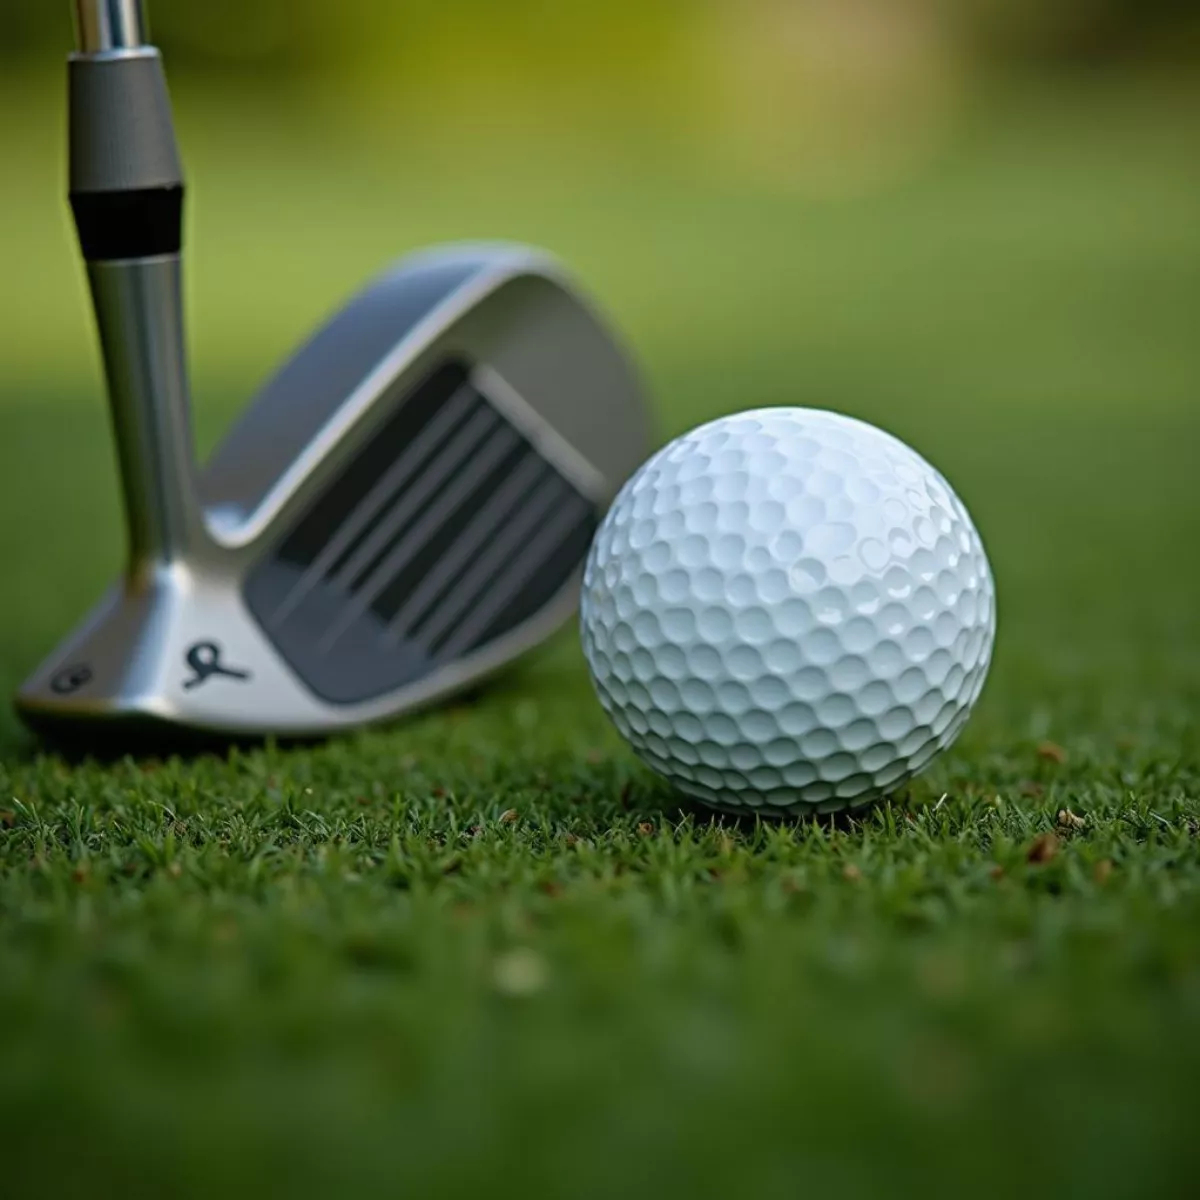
{"x": 446, "y": 532}
{"x": 487, "y": 607}
{"x": 366, "y": 530}
{"x": 404, "y": 542}
{"x": 504, "y": 504}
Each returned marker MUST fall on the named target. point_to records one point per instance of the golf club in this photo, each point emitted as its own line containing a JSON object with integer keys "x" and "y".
{"x": 404, "y": 508}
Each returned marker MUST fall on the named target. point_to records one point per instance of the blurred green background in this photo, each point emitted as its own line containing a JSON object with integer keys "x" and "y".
{"x": 974, "y": 223}
{"x": 322, "y": 139}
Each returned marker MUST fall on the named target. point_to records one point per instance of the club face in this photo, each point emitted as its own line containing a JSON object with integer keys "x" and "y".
{"x": 404, "y": 509}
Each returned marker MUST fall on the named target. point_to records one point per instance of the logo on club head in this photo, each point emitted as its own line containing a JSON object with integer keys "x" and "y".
{"x": 204, "y": 658}
{"x": 71, "y": 679}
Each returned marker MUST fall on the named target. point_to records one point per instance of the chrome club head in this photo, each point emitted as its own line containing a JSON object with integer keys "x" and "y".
{"x": 404, "y": 508}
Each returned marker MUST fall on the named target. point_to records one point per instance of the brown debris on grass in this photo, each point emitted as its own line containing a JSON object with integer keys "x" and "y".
{"x": 1052, "y": 752}
{"x": 1043, "y": 848}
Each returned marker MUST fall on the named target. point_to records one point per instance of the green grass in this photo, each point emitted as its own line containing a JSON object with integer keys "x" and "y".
{"x": 485, "y": 951}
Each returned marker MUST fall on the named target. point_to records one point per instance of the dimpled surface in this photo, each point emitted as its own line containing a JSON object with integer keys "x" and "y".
{"x": 788, "y": 610}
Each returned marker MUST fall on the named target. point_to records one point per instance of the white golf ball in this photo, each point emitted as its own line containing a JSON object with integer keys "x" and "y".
{"x": 788, "y": 610}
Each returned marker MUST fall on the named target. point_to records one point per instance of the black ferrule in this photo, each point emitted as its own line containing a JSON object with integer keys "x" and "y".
{"x": 129, "y": 224}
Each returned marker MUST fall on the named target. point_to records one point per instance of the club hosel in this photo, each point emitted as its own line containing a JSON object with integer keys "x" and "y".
{"x": 139, "y": 317}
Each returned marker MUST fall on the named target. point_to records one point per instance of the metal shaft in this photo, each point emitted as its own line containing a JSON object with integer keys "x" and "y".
{"x": 104, "y": 25}
{"x": 140, "y": 321}
{"x": 127, "y": 196}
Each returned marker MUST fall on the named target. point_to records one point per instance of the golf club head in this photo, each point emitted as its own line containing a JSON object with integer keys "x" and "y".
{"x": 403, "y": 509}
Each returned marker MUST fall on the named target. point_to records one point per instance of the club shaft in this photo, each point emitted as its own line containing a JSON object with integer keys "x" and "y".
{"x": 106, "y": 25}
{"x": 141, "y": 331}
{"x": 127, "y": 195}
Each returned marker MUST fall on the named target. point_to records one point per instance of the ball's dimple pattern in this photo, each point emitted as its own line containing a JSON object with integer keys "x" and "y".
{"x": 788, "y": 610}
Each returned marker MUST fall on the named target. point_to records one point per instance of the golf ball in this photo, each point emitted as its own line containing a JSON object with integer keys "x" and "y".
{"x": 788, "y": 610}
